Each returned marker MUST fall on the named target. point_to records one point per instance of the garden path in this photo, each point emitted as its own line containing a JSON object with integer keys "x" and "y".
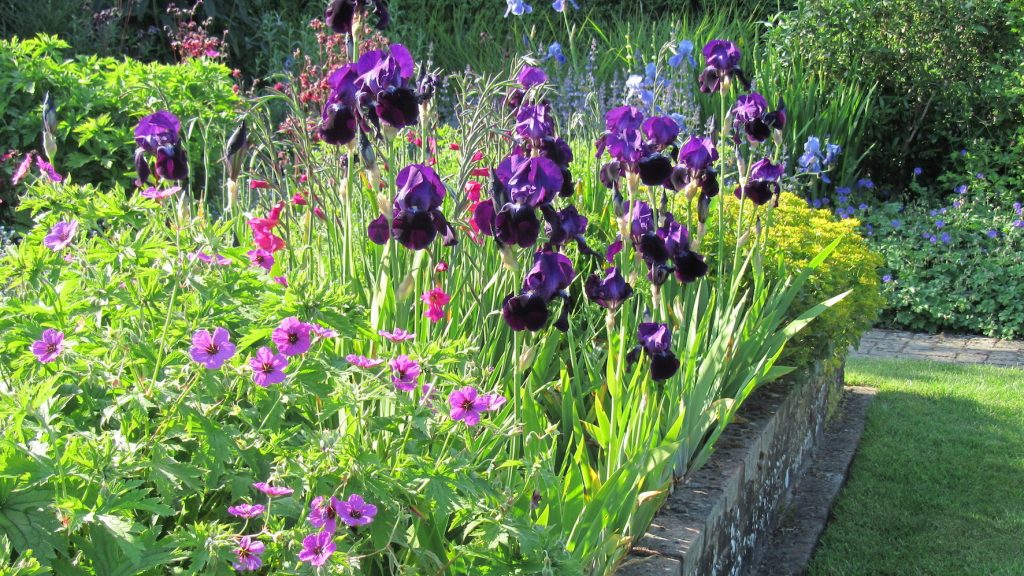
{"x": 941, "y": 348}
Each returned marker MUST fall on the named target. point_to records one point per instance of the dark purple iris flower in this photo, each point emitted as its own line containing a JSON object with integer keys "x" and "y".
{"x": 340, "y": 14}
{"x": 751, "y": 112}
{"x": 417, "y": 211}
{"x": 661, "y": 131}
{"x": 610, "y": 291}
{"x": 656, "y": 340}
{"x": 534, "y": 122}
{"x": 530, "y": 76}
{"x": 689, "y": 265}
{"x": 664, "y": 249}
{"x": 338, "y": 122}
{"x": 698, "y": 154}
{"x": 550, "y": 276}
{"x": 519, "y": 186}
{"x": 573, "y": 226}
{"x": 159, "y": 134}
{"x": 723, "y": 62}
{"x": 559, "y": 152}
{"x": 763, "y": 183}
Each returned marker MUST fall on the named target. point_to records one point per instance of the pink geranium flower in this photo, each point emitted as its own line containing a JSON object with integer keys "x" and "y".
{"x": 61, "y": 235}
{"x": 245, "y": 510}
{"x": 49, "y": 346}
{"x": 211, "y": 259}
{"x": 324, "y": 513}
{"x": 248, "y": 554}
{"x": 467, "y": 404}
{"x": 397, "y": 335}
{"x": 404, "y": 373}
{"x": 357, "y": 512}
{"x": 269, "y": 490}
{"x": 317, "y": 548}
{"x": 267, "y": 367}
{"x": 155, "y": 193}
{"x": 261, "y": 258}
{"x": 292, "y": 336}
{"x": 211, "y": 351}
{"x": 363, "y": 362}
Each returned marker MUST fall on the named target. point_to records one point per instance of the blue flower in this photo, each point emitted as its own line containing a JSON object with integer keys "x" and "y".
{"x": 961, "y": 189}
{"x": 933, "y": 239}
{"x": 862, "y": 207}
{"x": 843, "y": 191}
{"x": 945, "y": 237}
{"x": 939, "y": 223}
{"x": 992, "y": 234}
{"x": 896, "y": 224}
{"x": 1017, "y": 208}
{"x": 1018, "y": 223}
{"x": 555, "y": 51}
{"x": 887, "y": 278}
{"x": 865, "y": 183}
{"x": 917, "y": 171}
{"x": 684, "y": 52}
{"x": 518, "y": 8}
{"x": 559, "y": 5}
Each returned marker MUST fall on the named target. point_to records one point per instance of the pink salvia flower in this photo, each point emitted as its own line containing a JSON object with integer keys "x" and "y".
{"x": 246, "y": 510}
{"x": 324, "y": 512}
{"x": 292, "y": 336}
{"x": 299, "y": 199}
{"x": 317, "y": 548}
{"x": 363, "y": 362}
{"x": 404, "y": 373}
{"x": 258, "y": 184}
{"x": 211, "y": 351}
{"x": 61, "y": 235}
{"x": 49, "y": 346}
{"x": 357, "y": 512}
{"x": 262, "y": 258}
{"x": 248, "y": 554}
{"x": 267, "y": 367}
{"x": 269, "y": 490}
{"x": 398, "y": 335}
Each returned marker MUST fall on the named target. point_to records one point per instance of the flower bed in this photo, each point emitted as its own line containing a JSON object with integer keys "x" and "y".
{"x": 387, "y": 348}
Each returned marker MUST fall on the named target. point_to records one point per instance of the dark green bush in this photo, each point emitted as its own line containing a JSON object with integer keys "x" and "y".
{"x": 99, "y": 101}
{"x": 945, "y": 71}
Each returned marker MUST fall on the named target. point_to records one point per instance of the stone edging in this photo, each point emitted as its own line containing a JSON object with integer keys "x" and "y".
{"x": 717, "y": 519}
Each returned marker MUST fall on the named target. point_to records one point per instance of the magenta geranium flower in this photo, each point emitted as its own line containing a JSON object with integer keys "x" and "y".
{"x": 357, "y": 512}
{"x": 436, "y": 300}
{"x": 267, "y": 367}
{"x": 246, "y": 510}
{"x": 404, "y": 373}
{"x": 292, "y": 336}
{"x": 155, "y": 193}
{"x": 211, "y": 351}
{"x": 467, "y": 405}
{"x": 262, "y": 258}
{"x": 211, "y": 259}
{"x": 61, "y": 235}
{"x": 49, "y": 346}
{"x": 397, "y": 335}
{"x": 269, "y": 490}
{"x": 363, "y": 362}
{"x": 324, "y": 331}
{"x": 317, "y": 548}
{"x": 324, "y": 512}
{"x": 248, "y": 553}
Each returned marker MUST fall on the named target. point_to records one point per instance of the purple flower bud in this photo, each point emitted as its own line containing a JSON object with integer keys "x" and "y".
{"x": 610, "y": 291}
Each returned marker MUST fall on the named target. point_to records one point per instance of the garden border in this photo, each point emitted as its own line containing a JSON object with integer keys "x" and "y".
{"x": 717, "y": 519}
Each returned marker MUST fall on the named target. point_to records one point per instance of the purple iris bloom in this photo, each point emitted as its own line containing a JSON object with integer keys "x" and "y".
{"x": 550, "y": 276}
{"x": 519, "y": 186}
{"x": 212, "y": 351}
{"x": 610, "y": 291}
{"x": 534, "y": 122}
{"x": 623, "y": 118}
{"x": 698, "y": 153}
{"x": 555, "y": 52}
{"x": 689, "y": 265}
{"x": 723, "y": 60}
{"x": 531, "y": 76}
{"x": 661, "y": 131}
{"x": 570, "y": 225}
{"x": 385, "y": 87}
{"x": 338, "y": 122}
{"x": 749, "y": 107}
{"x": 751, "y": 112}
{"x": 417, "y": 211}
{"x": 763, "y": 183}
{"x": 340, "y": 14}
{"x": 656, "y": 341}
{"x": 159, "y": 134}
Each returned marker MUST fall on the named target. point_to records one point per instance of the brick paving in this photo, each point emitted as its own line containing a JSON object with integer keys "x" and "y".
{"x": 941, "y": 348}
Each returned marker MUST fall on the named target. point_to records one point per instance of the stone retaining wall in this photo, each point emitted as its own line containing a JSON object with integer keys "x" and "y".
{"x": 717, "y": 518}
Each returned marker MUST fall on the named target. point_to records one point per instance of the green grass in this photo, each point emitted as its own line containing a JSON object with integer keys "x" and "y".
{"x": 938, "y": 484}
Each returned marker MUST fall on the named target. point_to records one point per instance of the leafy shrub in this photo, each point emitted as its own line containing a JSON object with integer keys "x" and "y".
{"x": 99, "y": 101}
{"x": 945, "y": 70}
{"x": 956, "y": 265}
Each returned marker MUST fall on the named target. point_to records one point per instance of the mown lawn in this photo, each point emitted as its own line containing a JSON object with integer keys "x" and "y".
{"x": 937, "y": 486}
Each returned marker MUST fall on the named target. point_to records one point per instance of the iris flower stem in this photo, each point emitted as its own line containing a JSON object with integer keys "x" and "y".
{"x": 721, "y": 203}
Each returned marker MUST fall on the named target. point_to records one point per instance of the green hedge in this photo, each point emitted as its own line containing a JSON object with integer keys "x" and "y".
{"x": 99, "y": 101}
